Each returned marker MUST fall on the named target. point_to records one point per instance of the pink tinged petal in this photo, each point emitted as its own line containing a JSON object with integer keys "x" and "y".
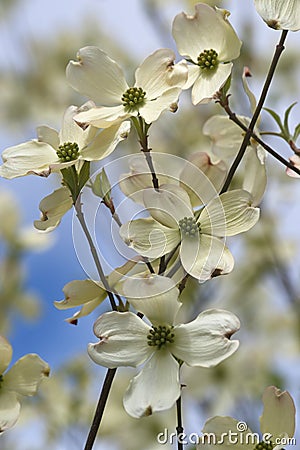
{"x": 280, "y": 14}
{"x": 149, "y": 238}
{"x": 202, "y": 178}
{"x": 9, "y": 410}
{"x": 208, "y": 28}
{"x": 31, "y": 157}
{"x": 97, "y": 76}
{"x": 205, "y": 341}
{"x": 105, "y": 142}
{"x": 295, "y": 161}
{"x": 168, "y": 205}
{"x": 155, "y": 296}
{"x": 123, "y": 340}
{"x": 229, "y": 214}
{"x": 205, "y": 258}
{"x": 278, "y": 416}
{"x": 103, "y": 117}
{"x": 153, "y": 108}
{"x": 5, "y": 354}
{"x": 218, "y": 429}
{"x": 26, "y": 374}
{"x": 79, "y": 292}
{"x": 155, "y": 388}
{"x": 158, "y": 73}
{"x": 207, "y": 84}
{"x": 48, "y": 135}
{"x": 53, "y": 207}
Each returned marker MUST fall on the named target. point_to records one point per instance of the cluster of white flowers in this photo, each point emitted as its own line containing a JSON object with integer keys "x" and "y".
{"x": 188, "y": 217}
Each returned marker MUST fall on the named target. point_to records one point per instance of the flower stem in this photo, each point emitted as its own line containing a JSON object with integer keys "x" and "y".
{"x": 179, "y": 428}
{"x": 80, "y": 216}
{"x": 267, "y": 84}
{"x": 100, "y": 408}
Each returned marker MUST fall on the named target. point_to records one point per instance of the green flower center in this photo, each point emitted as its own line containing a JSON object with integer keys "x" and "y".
{"x": 189, "y": 226}
{"x": 264, "y": 446}
{"x": 133, "y": 98}
{"x": 208, "y": 60}
{"x": 160, "y": 336}
{"x": 68, "y": 151}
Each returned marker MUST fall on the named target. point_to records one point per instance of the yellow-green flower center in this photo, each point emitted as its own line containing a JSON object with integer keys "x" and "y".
{"x": 189, "y": 227}
{"x": 160, "y": 336}
{"x": 133, "y": 98}
{"x": 69, "y": 151}
{"x": 208, "y": 60}
{"x": 264, "y": 446}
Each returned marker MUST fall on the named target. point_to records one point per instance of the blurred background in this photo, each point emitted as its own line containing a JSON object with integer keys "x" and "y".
{"x": 38, "y": 39}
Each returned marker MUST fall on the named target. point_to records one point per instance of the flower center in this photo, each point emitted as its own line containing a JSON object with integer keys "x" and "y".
{"x": 133, "y": 98}
{"x": 264, "y": 446}
{"x": 160, "y": 336}
{"x": 68, "y": 151}
{"x": 208, "y": 60}
{"x": 189, "y": 226}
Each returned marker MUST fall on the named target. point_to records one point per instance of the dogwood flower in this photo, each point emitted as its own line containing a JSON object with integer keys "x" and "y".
{"x": 23, "y": 378}
{"x": 53, "y": 151}
{"x": 280, "y": 14}
{"x": 53, "y": 207}
{"x": 197, "y": 174}
{"x": 226, "y": 139}
{"x": 127, "y": 340}
{"x": 158, "y": 83}
{"x": 208, "y": 41}
{"x": 277, "y": 425}
{"x": 203, "y": 253}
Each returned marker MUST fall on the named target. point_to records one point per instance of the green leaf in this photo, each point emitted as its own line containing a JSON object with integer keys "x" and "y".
{"x": 286, "y": 118}
{"x": 296, "y": 133}
{"x": 84, "y": 175}
{"x": 276, "y": 118}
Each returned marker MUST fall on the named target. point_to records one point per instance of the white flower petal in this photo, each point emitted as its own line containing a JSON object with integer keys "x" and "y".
{"x": 149, "y": 238}
{"x": 97, "y": 76}
{"x": 168, "y": 205}
{"x": 255, "y": 176}
{"x": 153, "y": 108}
{"x": 158, "y": 73}
{"x": 207, "y": 29}
{"x": 5, "y": 354}
{"x": 155, "y": 388}
{"x": 206, "y": 340}
{"x": 205, "y": 258}
{"x": 48, "y": 135}
{"x": 123, "y": 340}
{"x": 278, "y": 416}
{"x": 70, "y": 130}
{"x": 105, "y": 142}
{"x": 53, "y": 207}
{"x": 155, "y": 296}
{"x": 229, "y": 214}
{"x": 221, "y": 427}
{"x": 202, "y": 178}
{"x": 26, "y": 374}
{"x": 9, "y": 410}
{"x": 280, "y": 14}
{"x": 31, "y": 157}
{"x": 103, "y": 117}
{"x": 86, "y": 309}
{"x": 79, "y": 292}
{"x": 207, "y": 84}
